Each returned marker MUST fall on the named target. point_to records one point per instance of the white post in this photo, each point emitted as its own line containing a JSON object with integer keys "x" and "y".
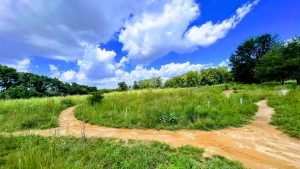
{"x": 241, "y": 101}
{"x": 125, "y": 113}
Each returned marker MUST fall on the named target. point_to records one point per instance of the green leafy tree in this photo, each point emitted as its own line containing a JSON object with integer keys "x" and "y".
{"x": 292, "y": 59}
{"x": 245, "y": 58}
{"x": 122, "y": 86}
{"x": 191, "y": 79}
{"x": 280, "y": 63}
{"x": 144, "y": 84}
{"x": 213, "y": 76}
{"x": 8, "y": 77}
{"x": 135, "y": 85}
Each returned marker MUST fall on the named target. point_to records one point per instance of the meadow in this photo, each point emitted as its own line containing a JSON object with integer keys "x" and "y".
{"x": 35, "y": 113}
{"x": 67, "y": 152}
{"x": 204, "y": 108}
{"x": 287, "y": 107}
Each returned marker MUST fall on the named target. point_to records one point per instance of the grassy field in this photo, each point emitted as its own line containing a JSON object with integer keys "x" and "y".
{"x": 287, "y": 108}
{"x": 65, "y": 152}
{"x": 204, "y": 108}
{"x": 33, "y": 113}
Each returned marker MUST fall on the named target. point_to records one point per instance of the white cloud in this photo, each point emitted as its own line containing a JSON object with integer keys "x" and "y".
{"x": 140, "y": 73}
{"x": 147, "y": 29}
{"x": 152, "y": 35}
{"x": 21, "y": 65}
{"x": 96, "y": 63}
{"x": 209, "y": 33}
{"x": 224, "y": 63}
{"x": 68, "y": 76}
{"x": 54, "y": 71}
{"x": 55, "y": 29}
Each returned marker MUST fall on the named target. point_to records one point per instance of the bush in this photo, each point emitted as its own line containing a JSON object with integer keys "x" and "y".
{"x": 96, "y": 97}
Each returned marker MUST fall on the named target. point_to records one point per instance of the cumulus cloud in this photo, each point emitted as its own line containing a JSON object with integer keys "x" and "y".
{"x": 139, "y": 73}
{"x": 56, "y": 29}
{"x": 225, "y": 63}
{"x": 21, "y": 65}
{"x": 152, "y": 35}
{"x": 209, "y": 33}
{"x": 147, "y": 30}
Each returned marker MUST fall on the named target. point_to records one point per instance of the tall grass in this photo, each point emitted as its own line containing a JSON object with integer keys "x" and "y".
{"x": 21, "y": 114}
{"x": 203, "y": 108}
{"x": 287, "y": 108}
{"x": 71, "y": 153}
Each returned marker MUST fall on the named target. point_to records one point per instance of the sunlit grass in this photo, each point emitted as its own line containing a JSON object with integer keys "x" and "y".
{"x": 69, "y": 153}
{"x": 202, "y": 108}
{"x": 21, "y": 114}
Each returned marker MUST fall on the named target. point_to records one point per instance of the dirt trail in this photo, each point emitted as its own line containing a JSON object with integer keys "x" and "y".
{"x": 257, "y": 145}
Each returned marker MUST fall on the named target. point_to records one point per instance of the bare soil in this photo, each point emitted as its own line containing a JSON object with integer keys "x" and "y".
{"x": 257, "y": 145}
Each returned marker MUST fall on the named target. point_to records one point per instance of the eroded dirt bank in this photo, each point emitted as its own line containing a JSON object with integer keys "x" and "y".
{"x": 258, "y": 145}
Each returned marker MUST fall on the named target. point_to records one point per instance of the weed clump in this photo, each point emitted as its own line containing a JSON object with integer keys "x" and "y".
{"x": 96, "y": 97}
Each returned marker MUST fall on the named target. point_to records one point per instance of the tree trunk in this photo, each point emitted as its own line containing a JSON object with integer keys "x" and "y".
{"x": 282, "y": 82}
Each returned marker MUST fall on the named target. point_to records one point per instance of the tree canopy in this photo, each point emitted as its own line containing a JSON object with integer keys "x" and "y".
{"x": 15, "y": 84}
{"x": 245, "y": 58}
{"x": 280, "y": 63}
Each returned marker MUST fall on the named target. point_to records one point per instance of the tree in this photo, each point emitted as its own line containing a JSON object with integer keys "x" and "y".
{"x": 155, "y": 82}
{"x": 213, "y": 76}
{"x": 23, "y": 85}
{"x": 144, "y": 84}
{"x": 122, "y": 86}
{"x": 8, "y": 77}
{"x": 135, "y": 85}
{"x": 270, "y": 66}
{"x": 191, "y": 79}
{"x": 292, "y": 59}
{"x": 280, "y": 63}
{"x": 245, "y": 58}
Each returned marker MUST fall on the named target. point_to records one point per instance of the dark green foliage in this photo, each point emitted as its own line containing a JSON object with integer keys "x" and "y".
{"x": 15, "y": 85}
{"x": 70, "y": 153}
{"x": 96, "y": 97}
{"x": 245, "y": 58}
{"x": 8, "y": 77}
{"x": 281, "y": 63}
{"x": 135, "y": 85}
{"x": 122, "y": 86}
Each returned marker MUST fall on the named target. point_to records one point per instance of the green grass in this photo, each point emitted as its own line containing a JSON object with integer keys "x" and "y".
{"x": 204, "y": 108}
{"x": 71, "y": 153}
{"x": 287, "y": 108}
{"x": 22, "y": 114}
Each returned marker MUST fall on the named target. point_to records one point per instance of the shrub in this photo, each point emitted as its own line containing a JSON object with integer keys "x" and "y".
{"x": 169, "y": 118}
{"x": 96, "y": 97}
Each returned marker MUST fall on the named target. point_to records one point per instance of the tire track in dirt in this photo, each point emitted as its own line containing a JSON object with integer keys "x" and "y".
{"x": 257, "y": 145}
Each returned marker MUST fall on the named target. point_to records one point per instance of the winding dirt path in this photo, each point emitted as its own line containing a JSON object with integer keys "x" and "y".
{"x": 257, "y": 145}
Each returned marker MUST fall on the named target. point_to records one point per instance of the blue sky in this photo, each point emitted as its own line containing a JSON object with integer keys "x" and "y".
{"x": 103, "y": 42}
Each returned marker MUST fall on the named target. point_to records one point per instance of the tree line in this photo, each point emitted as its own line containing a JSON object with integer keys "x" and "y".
{"x": 257, "y": 60}
{"x": 15, "y": 84}
{"x": 265, "y": 58}
{"x": 209, "y": 76}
